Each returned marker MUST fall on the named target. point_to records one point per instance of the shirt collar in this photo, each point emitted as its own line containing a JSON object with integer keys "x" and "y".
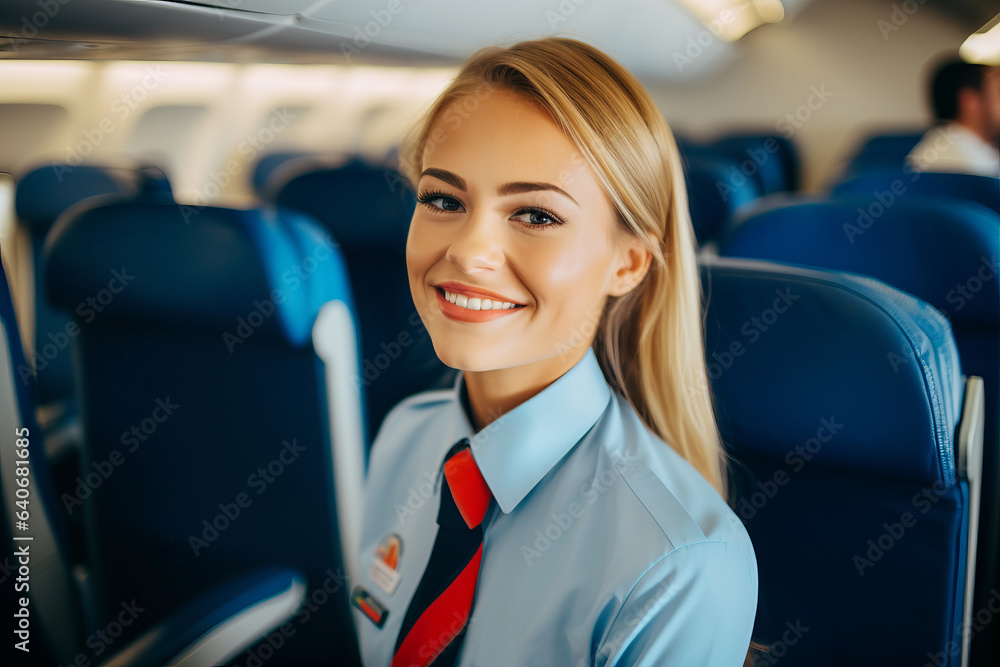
{"x": 968, "y": 137}
{"x": 515, "y": 451}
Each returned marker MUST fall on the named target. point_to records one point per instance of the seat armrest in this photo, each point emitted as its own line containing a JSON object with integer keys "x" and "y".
{"x": 221, "y": 623}
{"x": 970, "y": 465}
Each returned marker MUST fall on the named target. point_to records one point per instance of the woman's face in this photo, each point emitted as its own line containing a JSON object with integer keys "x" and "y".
{"x": 509, "y": 211}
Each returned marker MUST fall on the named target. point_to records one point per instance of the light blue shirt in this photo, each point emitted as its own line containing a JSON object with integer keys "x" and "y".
{"x": 603, "y": 546}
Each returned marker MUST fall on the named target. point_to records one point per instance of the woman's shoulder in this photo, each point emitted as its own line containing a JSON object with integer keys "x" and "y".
{"x": 411, "y": 434}
{"x": 679, "y": 501}
{"x": 412, "y": 410}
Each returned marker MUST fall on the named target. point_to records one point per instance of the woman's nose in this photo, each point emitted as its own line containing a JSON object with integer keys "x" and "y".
{"x": 477, "y": 245}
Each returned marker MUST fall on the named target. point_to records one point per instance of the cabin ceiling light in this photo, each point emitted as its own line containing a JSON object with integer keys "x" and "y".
{"x": 731, "y": 19}
{"x": 983, "y": 46}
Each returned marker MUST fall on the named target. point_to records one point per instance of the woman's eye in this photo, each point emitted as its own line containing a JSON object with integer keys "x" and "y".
{"x": 536, "y": 218}
{"x": 442, "y": 202}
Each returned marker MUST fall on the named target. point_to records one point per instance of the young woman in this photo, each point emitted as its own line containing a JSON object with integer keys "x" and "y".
{"x": 563, "y": 503}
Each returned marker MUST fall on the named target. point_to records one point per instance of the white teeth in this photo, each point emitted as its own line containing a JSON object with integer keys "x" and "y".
{"x": 477, "y": 303}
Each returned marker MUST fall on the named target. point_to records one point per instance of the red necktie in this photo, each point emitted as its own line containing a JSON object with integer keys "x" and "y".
{"x": 437, "y": 618}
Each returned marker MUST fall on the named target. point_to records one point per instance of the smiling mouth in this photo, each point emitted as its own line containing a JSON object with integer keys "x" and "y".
{"x": 476, "y": 303}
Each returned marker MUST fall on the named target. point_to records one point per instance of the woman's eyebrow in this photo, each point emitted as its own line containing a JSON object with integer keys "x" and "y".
{"x": 506, "y": 189}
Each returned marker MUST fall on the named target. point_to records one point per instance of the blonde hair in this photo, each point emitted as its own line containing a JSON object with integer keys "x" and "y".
{"x": 649, "y": 342}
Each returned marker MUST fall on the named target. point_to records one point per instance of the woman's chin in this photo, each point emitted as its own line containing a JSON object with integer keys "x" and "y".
{"x": 463, "y": 358}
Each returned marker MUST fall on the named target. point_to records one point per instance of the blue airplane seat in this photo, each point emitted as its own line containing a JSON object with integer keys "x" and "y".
{"x": 269, "y": 172}
{"x": 51, "y": 628}
{"x": 772, "y": 157}
{"x": 770, "y": 161}
{"x": 368, "y": 209}
{"x": 881, "y": 151}
{"x": 222, "y": 425}
{"x": 42, "y": 195}
{"x": 883, "y": 188}
{"x": 839, "y": 399}
{"x": 887, "y": 146}
{"x": 55, "y": 610}
{"x": 716, "y": 190}
{"x": 943, "y": 252}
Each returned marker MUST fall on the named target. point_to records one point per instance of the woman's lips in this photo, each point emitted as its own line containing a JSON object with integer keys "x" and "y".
{"x": 456, "y": 312}
{"x": 469, "y": 291}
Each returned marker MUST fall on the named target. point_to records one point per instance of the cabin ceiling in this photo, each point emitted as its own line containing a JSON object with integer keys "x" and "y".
{"x": 645, "y": 35}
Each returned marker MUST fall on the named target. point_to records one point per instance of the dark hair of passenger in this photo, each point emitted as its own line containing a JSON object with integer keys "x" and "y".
{"x": 950, "y": 77}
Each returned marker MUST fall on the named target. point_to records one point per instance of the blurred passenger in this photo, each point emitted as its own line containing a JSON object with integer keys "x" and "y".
{"x": 966, "y": 103}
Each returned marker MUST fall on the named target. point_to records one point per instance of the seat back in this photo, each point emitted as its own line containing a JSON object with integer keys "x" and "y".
{"x": 772, "y": 158}
{"x": 839, "y": 399}
{"x": 213, "y": 431}
{"x": 883, "y": 188}
{"x": 32, "y": 521}
{"x": 716, "y": 189}
{"x": 42, "y": 195}
{"x": 943, "y": 252}
{"x": 368, "y": 208}
{"x": 882, "y": 150}
{"x": 271, "y": 171}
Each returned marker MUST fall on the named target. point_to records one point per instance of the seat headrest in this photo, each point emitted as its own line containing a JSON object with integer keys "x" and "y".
{"x": 714, "y": 194}
{"x": 44, "y": 193}
{"x": 366, "y": 207}
{"x": 831, "y": 370}
{"x": 900, "y": 184}
{"x": 264, "y": 172}
{"x": 234, "y": 273}
{"x": 945, "y": 253}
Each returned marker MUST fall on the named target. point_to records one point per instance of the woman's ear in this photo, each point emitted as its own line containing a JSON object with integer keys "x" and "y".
{"x": 634, "y": 259}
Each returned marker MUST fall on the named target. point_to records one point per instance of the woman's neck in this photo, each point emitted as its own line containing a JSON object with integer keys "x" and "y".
{"x": 492, "y": 394}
